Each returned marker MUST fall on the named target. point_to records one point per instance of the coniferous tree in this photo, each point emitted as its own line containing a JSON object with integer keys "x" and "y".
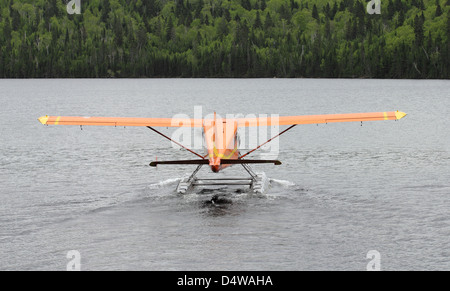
{"x": 401, "y": 18}
{"x": 315, "y": 13}
{"x": 263, "y": 5}
{"x": 390, "y": 9}
{"x": 421, "y": 5}
{"x": 438, "y": 9}
{"x": 268, "y": 22}
{"x": 258, "y": 23}
{"x": 418, "y": 31}
{"x": 105, "y": 9}
{"x": 246, "y": 4}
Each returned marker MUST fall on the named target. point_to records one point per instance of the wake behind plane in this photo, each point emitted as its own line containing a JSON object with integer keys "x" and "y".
{"x": 221, "y": 139}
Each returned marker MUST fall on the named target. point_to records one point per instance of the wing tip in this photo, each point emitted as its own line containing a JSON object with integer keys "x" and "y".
{"x": 43, "y": 119}
{"x": 399, "y": 115}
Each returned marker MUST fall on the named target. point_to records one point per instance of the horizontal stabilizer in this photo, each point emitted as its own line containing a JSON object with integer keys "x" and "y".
{"x": 180, "y": 162}
{"x": 242, "y": 161}
{"x": 222, "y": 161}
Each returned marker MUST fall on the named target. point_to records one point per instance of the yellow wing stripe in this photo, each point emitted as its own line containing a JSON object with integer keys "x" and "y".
{"x": 57, "y": 120}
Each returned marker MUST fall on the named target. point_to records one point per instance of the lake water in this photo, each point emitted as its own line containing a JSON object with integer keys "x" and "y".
{"x": 343, "y": 189}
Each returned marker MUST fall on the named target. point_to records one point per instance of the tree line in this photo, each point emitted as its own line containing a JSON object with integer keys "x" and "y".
{"x": 225, "y": 38}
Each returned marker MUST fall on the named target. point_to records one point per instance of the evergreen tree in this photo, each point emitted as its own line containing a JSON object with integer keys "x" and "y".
{"x": 263, "y": 5}
{"x": 398, "y": 5}
{"x": 418, "y": 31}
{"x": 284, "y": 12}
{"x": 421, "y": 5}
{"x": 334, "y": 10}
{"x": 438, "y": 9}
{"x": 315, "y": 13}
{"x": 327, "y": 11}
{"x": 390, "y": 9}
{"x": 7, "y": 30}
{"x": 258, "y": 23}
{"x": 246, "y": 4}
{"x": 16, "y": 20}
{"x": 105, "y": 9}
{"x": 401, "y": 18}
{"x": 268, "y": 23}
{"x": 118, "y": 31}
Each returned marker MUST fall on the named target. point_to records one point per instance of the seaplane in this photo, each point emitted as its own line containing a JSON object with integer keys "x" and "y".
{"x": 222, "y": 140}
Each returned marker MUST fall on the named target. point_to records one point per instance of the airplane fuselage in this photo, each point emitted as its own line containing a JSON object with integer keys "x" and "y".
{"x": 221, "y": 142}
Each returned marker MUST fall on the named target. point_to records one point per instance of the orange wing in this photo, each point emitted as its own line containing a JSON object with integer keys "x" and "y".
{"x": 120, "y": 121}
{"x": 242, "y": 122}
{"x": 325, "y": 118}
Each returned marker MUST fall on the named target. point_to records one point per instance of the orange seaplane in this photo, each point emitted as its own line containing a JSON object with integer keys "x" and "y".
{"x": 222, "y": 142}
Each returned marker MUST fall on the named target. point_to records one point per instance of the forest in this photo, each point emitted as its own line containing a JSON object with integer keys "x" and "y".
{"x": 225, "y": 39}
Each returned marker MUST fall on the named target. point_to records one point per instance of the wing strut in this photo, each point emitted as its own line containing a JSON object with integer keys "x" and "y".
{"x": 200, "y": 156}
{"x": 267, "y": 141}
